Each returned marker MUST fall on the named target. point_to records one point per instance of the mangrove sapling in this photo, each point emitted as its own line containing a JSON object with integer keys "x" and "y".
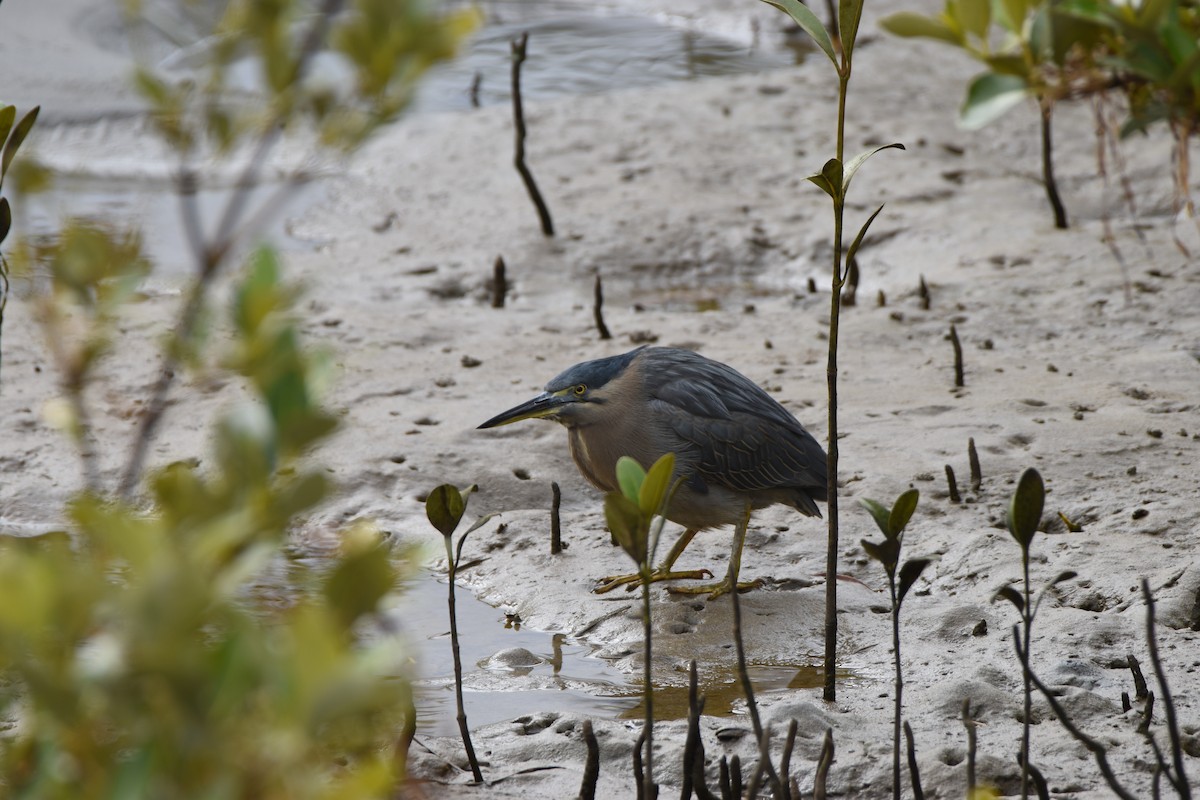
{"x": 445, "y": 507}
{"x": 1024, "y": 516}
{"x": 834, "y": 179}
{"x": 631, "y": 513}
{"x": 892, "y": 524}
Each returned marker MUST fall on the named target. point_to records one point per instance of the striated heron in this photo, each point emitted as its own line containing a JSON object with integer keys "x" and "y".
{"x": 736, "y": 448}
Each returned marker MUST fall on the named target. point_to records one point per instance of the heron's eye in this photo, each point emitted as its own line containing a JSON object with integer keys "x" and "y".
{"x": 580, "y": 389}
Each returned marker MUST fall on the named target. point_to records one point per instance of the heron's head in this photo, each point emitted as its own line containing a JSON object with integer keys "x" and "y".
{"x": 578, "y": 395}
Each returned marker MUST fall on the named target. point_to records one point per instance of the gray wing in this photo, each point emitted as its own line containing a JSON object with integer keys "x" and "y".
{"x": 740, "y": 436}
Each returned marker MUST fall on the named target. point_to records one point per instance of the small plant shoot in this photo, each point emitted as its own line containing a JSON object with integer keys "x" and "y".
{"x": 892, "y": 524}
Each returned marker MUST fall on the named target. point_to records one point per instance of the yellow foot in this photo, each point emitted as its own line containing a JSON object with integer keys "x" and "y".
{"x": 715, "y": 590}
{"x": 631, "y": 582}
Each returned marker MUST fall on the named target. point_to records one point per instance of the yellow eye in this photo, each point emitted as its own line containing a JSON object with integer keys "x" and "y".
{"x": 580, "y": 389}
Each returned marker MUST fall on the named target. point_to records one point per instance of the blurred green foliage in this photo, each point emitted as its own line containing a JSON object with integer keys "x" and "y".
{"x": 1058, "y": 49}
{"x": 135, "y": 659}
{"x": 136, "y": 665}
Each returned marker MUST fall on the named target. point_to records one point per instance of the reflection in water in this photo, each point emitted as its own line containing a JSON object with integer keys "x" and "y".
{"x": 570, "y": 53}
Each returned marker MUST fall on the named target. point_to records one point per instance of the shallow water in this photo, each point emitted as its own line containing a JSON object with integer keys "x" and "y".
{"x": 569, "y": 52}
{"x": 567, "y": 677}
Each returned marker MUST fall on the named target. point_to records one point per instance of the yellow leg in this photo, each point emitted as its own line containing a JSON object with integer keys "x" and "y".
{"x": 662, "y": 572}
{"x": 715, "y": 590}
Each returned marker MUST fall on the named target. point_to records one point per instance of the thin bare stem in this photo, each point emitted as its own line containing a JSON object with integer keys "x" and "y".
{"x": 463, "y": 729}
{"x": 829, "y": 691}
{"x": 914, "y": 772}
{"x": 591, "y": 767}
{"x": 1060, "y": 213}
{"x": 1179, "y": 780}
{"x": 1098, "y": 751}
{"x": 210, "y": 255}
{"x": 518, "y": 58}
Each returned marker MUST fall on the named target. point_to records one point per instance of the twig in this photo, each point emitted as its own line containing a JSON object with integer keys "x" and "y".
{"x": 693, "y": 747}
{"x": 764, "y": 758}
{"x": 476, "y": 83}
{"x": 1098, "y": 751}
{"x": 1147, "y": 714}
{"x": 499, "y": 283}
{"x": 913, "y": 771}
{"x": 743, "y": 671}
{"x": 518, "y": 57}
{"x": 555, "y": 522}
{"x": 1179, "y": 780}
{"x": 955, "y": 497}
{"x": 591, "y": 767}
{"x": 638, "y": 774}
{"x": 211, "y": 255}
{"x": 723, "y": 780}
{"x": 785, "y": 762}
{"x": 597, "y": 308}
{"x": 969, "y": 724}
{"x": 976, "y": 470}
{"x": 1039, "y": 780}
{"x": 923, "y": 293}
{"x": 1060, "y": 213}
{"x": 735, "y": 777}
{"x": 958, "y": 357}
{"x": 1139, "y": 680}
{"x": 463, "y": 729}
{"x": 823, "y": 763}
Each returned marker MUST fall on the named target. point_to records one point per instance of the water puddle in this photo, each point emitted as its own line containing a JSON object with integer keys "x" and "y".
{"x": 572, "y": 53}
{"x": 554, "y": 673}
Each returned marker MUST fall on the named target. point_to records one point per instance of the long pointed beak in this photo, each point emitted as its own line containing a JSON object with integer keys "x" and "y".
{"x": 544, "y": 405}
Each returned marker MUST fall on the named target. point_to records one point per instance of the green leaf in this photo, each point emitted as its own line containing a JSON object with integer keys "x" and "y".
{"x": 909, "y": 573}
{"x": 358, "y": 582}
{"x": 1011, "y": 15}
{"x": 8, "y": 116}
{"x": 902, "y": 511}
{"x": 886, "y": 552}
{"x": 1011, "y": 595}
{"x": 625, "y": 520}
{"x": 989, "y": 97}
{"x": 654, "y": 488}
{"x": 445, "y": 508}
{"x": 911, "y": 25}
{"x": 849, "y": 17}
{"x": 823, "y": 183}
{"x": 808, "y": 21}
{"x": 5, "y": 220}
{"x": 880, "y": 512}
{"x": 18, "y": 136}
{"x": 1009, "y": 64}
{"x": 853, "y": 164}
{"x": 973, "y": 16}
{"x": 862, "y": 232}
{"x": 830, "y": 179}
{"x": 630, "y": 477}
{"x": 1025, "y": 510}
{"x": 1061, "y": 577}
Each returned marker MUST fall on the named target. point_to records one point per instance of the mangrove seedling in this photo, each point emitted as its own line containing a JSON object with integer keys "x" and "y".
{"x": 635, "y": 518}
{"x": 892, "y": 523}
{"x": 834, "y": 179}
{"x": 445, "y": 507}
{"x": 1024, "y": 516}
